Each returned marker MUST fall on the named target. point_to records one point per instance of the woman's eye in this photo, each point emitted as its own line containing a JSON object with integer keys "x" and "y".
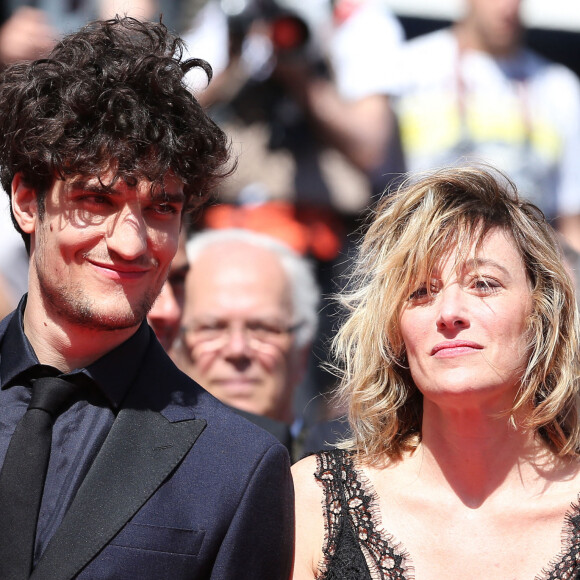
{"x": 420, "y": 293}
{"x": 486, "y": 285}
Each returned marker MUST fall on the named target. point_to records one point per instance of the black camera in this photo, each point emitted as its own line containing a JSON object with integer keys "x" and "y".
{"x": 287, "y": 30}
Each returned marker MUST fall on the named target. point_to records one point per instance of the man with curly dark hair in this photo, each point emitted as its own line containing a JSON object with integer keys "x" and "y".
{"x": 103, "y": 149}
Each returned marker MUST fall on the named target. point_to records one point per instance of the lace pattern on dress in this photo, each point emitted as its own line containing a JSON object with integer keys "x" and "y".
{"x": 348, "y": 511}
{"x": 566, "y": 565}
{"x": 353, "y": 542}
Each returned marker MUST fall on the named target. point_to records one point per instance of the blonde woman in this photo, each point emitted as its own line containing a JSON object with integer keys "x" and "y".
{"x": 460, "y": 373}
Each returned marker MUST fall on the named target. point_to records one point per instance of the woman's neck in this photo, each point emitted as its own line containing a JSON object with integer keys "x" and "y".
{"x": 477, "y": 454}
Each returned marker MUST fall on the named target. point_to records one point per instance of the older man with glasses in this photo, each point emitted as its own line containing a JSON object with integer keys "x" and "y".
{"x": 249, "y": 320}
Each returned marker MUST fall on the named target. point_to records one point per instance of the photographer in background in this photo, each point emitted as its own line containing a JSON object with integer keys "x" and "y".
{"x": 299, "y": 95}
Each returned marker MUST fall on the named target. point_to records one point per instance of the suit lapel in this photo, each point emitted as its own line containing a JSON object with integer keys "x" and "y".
{"x": 141, "y": 450}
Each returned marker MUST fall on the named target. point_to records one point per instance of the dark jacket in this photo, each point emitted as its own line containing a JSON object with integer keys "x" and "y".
{"x": 182, "y": 488}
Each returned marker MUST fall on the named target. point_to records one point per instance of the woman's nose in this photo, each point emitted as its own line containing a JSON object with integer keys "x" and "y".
{"x": 452, "y": 307}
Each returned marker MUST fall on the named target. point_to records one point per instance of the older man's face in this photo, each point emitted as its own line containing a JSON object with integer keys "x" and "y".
{"x": 239, "y": 341}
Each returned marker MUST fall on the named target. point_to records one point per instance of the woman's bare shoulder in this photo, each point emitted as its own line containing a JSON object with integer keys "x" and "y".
{"x": 309, "y": 519}
{"x": 305, "y": 482}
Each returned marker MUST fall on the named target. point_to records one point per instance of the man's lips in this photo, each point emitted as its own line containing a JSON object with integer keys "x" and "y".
{"x": 454, "y": 347}
{"x": 235, "y": 381}
{"x": 120, "y": 271}
{"x": 239, "y": 385}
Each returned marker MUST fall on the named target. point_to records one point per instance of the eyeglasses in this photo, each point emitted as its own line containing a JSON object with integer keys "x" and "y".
{"x": 215, "y": 335}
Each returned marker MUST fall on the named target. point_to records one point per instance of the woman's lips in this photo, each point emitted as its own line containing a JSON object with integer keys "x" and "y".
{"x": 449, "y": 348}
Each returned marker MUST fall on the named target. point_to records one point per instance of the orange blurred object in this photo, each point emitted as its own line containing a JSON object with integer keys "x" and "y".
{"x": 307, "y": 229}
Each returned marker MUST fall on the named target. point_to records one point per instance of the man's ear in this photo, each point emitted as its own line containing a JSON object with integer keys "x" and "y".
{"x": 24, "y": 205}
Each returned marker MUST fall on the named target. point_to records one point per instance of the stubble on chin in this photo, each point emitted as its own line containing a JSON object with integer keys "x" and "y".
{"x": 76, "y": 308}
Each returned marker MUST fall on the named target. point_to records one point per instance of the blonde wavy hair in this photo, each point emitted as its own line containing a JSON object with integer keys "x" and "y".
{"x": 410, "y": 232}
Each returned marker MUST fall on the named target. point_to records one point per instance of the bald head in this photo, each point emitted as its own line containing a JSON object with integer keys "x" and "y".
{"x": 243, "y": 277}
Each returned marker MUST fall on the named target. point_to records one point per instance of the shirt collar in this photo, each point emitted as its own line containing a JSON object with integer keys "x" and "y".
{"x": 113, "y": 372}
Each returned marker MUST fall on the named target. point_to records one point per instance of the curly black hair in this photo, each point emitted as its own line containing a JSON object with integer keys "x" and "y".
{"x": 110, "y": 96}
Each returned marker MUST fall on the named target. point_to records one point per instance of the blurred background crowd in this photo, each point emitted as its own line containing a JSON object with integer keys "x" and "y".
{"x": 328, "y": 103}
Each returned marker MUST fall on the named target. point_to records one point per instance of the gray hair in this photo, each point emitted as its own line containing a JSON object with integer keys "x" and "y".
{"x": 305, "y": 290}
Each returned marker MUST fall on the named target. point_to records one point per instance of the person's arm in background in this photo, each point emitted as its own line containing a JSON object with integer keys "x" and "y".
{"x": 568, "y": 220}
{"x": 360, "y": 129}
{"x": 206, "y": 36}
{"x": 26, "y": 35}
{"x": 351, "y": 110}
{"x": 569, "y": 227}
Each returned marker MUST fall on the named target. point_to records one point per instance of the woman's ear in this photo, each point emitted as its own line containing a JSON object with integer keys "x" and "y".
{"x": 24, "y": 205}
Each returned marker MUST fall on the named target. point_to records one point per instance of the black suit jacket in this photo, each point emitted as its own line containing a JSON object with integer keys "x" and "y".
{"x": 182, "y": 488}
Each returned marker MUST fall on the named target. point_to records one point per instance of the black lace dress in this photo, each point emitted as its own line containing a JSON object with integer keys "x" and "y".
{"x": 355, "y": 549}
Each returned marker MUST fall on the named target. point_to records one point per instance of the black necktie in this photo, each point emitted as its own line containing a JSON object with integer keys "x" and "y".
{"x": 23, "y": 474}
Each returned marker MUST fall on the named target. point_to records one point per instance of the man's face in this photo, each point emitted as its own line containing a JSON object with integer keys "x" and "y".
{"x": 165, "y": 316}
{"x": 497, "y": 23}
{"x": 102, "y": 250}
{"x": 239, "y": 343}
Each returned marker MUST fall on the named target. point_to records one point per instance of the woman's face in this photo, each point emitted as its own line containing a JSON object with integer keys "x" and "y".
{"x": 466, "y": 340}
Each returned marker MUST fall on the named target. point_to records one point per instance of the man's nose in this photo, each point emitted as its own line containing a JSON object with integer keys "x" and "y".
{"x": 237, "y": 343}
{"x": 127, "y": 233}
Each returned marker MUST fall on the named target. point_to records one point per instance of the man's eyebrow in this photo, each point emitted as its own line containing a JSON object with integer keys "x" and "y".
{"x": 82, "y": 185}
{"x": 97, "y": 187}
{"x": 180, "y": 271}
{"x": 171, "y": 197}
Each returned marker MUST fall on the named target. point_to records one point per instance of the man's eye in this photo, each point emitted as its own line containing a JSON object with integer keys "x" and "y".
{"x": 210, "y": 327}
{"x": 176, "y": 280}
{"x": 96, "y": 199}
{"x": 262, "y": 328}
{"x": 165, "y": 209}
